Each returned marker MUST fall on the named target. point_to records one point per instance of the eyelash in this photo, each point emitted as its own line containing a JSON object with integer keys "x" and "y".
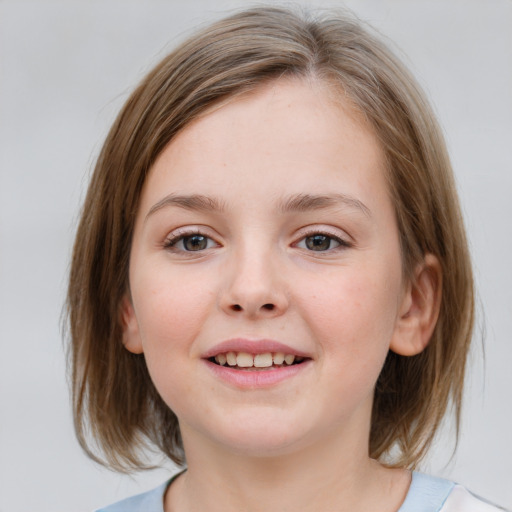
{"x": 343, "y": 244}
{"x": 172, "y": 241}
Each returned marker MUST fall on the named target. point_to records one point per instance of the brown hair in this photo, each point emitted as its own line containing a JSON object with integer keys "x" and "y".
{"x": 115, "y": 402}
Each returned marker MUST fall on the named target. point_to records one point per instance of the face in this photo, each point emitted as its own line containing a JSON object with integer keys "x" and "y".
{"x": 265, "y": 230}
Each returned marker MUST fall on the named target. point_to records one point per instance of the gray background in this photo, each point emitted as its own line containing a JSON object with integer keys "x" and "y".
{"x": 65, "y": 69}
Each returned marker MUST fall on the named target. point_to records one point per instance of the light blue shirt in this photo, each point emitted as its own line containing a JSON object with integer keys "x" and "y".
{"x": 426, "y": 494}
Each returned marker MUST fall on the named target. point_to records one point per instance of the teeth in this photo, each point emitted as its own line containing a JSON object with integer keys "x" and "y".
{"x": 289, "y": 358}
{"x": 221, "y": 359}
{"x": 246, "y": 360}
{"x": 263, "y": 360}
{"x": 278, "y": 358}
{"x": 231, "y": 358}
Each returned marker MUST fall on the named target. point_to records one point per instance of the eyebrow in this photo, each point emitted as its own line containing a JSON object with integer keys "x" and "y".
{"x": 195, "y": 202}
{"x": 295, "y": 203}
{"x": 307, "y": 202}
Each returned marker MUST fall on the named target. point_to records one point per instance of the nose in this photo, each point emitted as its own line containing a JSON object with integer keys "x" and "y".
{"x": 255, "y": 286}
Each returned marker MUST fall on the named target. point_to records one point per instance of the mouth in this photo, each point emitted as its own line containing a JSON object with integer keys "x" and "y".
{"x": 250, "y": 364}
{"x": 246, "y": 361}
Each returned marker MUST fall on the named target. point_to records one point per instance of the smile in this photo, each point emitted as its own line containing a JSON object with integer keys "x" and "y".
{"x": 256, "y": 363}
{"x": 247, "y": 361}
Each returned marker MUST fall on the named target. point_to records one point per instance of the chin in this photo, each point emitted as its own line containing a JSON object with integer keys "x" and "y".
{"x": 262, "y": 437}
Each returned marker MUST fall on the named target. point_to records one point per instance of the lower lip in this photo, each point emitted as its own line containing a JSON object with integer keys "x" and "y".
{"x": 256, "y": 378}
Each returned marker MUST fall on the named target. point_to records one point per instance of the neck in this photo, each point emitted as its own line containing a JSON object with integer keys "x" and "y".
{"x": 326, "y": 477}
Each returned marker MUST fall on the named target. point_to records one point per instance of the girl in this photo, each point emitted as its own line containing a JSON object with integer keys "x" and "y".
{"x": 270, "y": 281}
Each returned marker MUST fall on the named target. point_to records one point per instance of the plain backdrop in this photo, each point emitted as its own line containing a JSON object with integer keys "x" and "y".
{"x": 65, "y": 70}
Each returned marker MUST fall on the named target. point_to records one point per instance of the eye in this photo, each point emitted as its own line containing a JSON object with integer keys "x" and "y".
{"x": 321, "y": 242}
{"x": 190, "y": 243}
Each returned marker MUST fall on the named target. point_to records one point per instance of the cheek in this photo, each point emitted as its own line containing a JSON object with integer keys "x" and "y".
{"x": 170, "y": 308}
{"x": 354, "y": 311}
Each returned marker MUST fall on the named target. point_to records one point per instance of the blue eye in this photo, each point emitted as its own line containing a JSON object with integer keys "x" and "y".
{"x": 190, "y": 243}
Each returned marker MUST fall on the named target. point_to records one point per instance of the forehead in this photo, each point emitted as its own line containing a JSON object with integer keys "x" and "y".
{"x": 294, "y": 133}
{"x": 306, "y": 102}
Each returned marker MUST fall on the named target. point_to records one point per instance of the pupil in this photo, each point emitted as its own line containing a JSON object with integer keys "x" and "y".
{"x": 195, "y": 243}
{"x": 318, "y": 242}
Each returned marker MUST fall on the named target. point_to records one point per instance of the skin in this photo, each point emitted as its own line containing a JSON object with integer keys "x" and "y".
{"x": 344, "y": 306}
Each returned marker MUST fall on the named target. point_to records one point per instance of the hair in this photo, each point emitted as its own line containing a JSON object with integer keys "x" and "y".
{"x": 117, "y": 411}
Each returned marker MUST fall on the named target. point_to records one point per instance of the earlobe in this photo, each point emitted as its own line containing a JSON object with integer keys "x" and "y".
{"x": 419, "y": 309}
{"x": 131, "y": 336}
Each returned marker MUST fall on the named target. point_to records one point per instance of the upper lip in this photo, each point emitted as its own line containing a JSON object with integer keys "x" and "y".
{"x": 252, "y": 346}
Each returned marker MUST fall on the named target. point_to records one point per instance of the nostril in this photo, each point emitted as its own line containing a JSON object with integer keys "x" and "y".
{"x": 268, "y": 307}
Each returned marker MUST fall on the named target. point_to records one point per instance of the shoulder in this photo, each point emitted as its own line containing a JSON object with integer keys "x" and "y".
{"x": 431, "y": 494}
{"x": 461, "y": 500}
{"x": 151, "y": 501}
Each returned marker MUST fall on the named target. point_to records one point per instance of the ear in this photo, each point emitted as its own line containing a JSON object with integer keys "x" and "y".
{"x": 419, "y": 309}
{"x": 131, "y": 336}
